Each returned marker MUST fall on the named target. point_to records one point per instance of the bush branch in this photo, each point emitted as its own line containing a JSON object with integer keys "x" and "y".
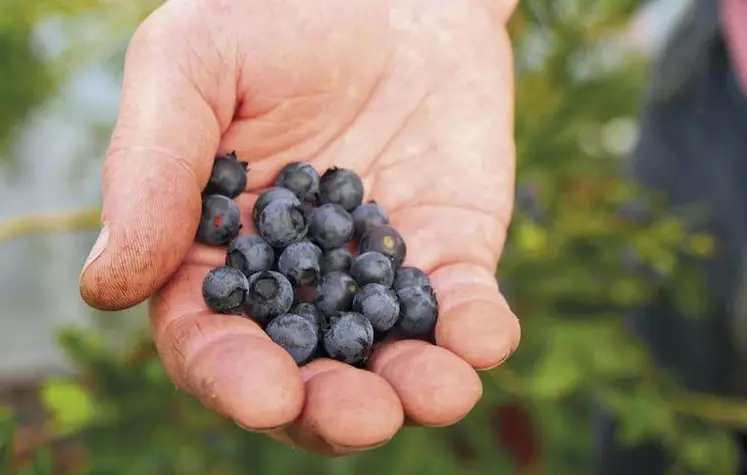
{"x": 32, "y": 224}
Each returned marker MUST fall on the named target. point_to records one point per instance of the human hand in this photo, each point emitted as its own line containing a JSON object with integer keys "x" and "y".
{"x": 414, "y": 95}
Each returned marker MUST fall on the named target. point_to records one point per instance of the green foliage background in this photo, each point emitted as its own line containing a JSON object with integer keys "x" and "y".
{"x": 575, "y": 262}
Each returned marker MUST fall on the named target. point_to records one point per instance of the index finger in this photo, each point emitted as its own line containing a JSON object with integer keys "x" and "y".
{"x": 171, "y": 117}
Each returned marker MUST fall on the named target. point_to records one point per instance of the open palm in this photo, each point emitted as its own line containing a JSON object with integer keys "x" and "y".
{"x": 415, "y": 96}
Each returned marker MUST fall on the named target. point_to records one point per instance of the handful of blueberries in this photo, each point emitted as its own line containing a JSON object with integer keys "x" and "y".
{"x": 298, "y": 279}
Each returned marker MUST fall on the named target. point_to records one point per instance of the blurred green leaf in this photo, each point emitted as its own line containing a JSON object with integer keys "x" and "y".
{"x": 71, "y": 405}
{"x": 7, "y": 435}
{"x": 557, "y": 371}
{"x": 42, "y": 463}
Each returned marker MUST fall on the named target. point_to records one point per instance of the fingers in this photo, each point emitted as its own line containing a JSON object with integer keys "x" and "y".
{"x": 436, "y": 387}
{"x": 346, "y": 410}
{"x": 475, "y": 321}
{"x": 159, "y": 158}
{"x": 227, "y": 362}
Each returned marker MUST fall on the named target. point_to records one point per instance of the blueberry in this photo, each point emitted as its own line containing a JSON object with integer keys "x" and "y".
{"x": 272, "y": 194}
{"x": 228, "y": 177}
{"x": 250, "y": 254}
{"x": 309, "y": 312}
{"x": 418, "y": 311}
{"x": 336, "y": 259}
{"x": 349, "y": 338}
{"x": 270, "y": 294}
{"x": 296, "y": 334}
{"x": 379, "y": 305}
{"x": 301, "y": 179}
{"x": 372, "y": 268}
{"x": 299, "y": 262}
{"x": 335, "y": 292}
{"x": 224, "y": 290}
{"x": 220, "y": 221}
{"x": 368, "y": 216}
{"x": 282, "y": 222}
{"x": 330, "y": 226}
{"x": 410, "y": 277}
{"x": 341, "y": 186}
{"x": 385, "y": 240}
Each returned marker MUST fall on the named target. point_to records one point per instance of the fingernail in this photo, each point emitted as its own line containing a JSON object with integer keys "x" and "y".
{"x": 262, "y": 431}
{"x": 282, "y": 436}
{"x": 98, "y": 248}
{"x": 343, "y": 450}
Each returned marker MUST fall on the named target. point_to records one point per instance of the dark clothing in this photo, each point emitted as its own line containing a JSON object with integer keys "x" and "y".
{"x": 693, "y": 147}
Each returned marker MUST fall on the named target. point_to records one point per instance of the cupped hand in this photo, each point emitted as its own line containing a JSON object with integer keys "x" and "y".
{"x": 414, "y": 95}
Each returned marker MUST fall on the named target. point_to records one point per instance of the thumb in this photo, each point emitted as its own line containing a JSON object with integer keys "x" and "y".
{"x": 159, "y": 158}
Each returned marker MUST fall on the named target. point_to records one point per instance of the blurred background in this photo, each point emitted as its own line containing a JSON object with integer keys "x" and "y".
{"x": 84, "y": 393}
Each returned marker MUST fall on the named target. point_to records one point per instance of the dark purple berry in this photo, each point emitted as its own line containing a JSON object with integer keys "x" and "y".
{"x": 296, "y": 334}
{"x": 341, "y": 186}
{"x": 228, "y": 177}
{"x": 282, "y": 222}
{"x": 224, "y": 290}
{"x": 372, "y": 268}
{"x": 336, "y": 259}
{"x": 385, "y": 240}
{"x": 300, "y": 178}
{"x": 330, "y": 226}
{"x": 349, "y": 338}
{"x": 220, "y": 221}
{"x": 410, "y": 277}
{"x": 299, "y": 262}
{"x": 310, "y": 312}
{"x": 250, "y": 254}
{"x": 418, "y": 311}
{"x": 379, "y": 305}
{"x": 368, "y": 216}
{"x": 270, "y": 294}
{"x": 272, "y": 194}
{"x": 334, "y": 293}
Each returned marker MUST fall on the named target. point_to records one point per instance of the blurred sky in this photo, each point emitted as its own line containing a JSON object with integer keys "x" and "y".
{"x": 39, "y": 289}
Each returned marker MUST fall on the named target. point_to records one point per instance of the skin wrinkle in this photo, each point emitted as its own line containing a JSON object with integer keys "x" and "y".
{"x": 399, "y": 131}
{"x": 350, "y": 100}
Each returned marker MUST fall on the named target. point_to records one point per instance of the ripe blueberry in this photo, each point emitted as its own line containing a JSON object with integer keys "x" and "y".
{"x": 272, "y": 194}
{"x": 301, "y": 179}
{"x": 228, "y": 177}
{"x": 349, "y": 338}
{"x": 330, "y": 226}
{"x": 385, "y": 240}
{"x": 372, "y": 268}
{"x": 220, "y": 221}
{"x": 418, "y": 311}
{"x": 250, "y": 254}
{"x": 299, "y": 262}
{"x": 368, "y": 216}
{"x": 224, "y": 290}
{"x": 341, "y": 186}
{"x": 282, "y": 222}
{"x": 334, "y": 293}
{"x": 410, "y": 277}
{"x": 270, "y": 294}
{"x": 336, "y": 259}
{"x": 379, "y": 305}
{"x": 296, "y": 334}
{"x": 309, "y": 312}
